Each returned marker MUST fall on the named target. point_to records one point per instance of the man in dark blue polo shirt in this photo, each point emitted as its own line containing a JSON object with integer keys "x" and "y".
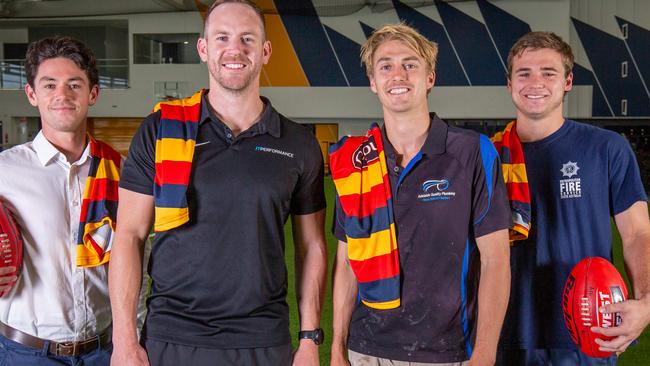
{"x": 451, "y": 220}
{"x": 219, "y": 280}
{"x": 578, "y": 176}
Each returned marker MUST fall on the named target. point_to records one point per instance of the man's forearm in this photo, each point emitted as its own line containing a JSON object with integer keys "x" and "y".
{"x": 125, "y": 279}
{"x": 344, "y": 294}
{"x": 493, "y": 292}
{"x": 311, "y": 267}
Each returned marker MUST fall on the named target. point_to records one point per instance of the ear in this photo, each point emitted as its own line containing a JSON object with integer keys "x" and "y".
{"x": 373, "y": 85}
{"x": 509, "y": 84}
{"x": 266, "y": 52}
{"x": 202, "y": 48}
{"x": 431, "y": 80}
{"x": 94, "y": 93}
{"x": 569, "y": 82}
{"x": 31, "y": 95}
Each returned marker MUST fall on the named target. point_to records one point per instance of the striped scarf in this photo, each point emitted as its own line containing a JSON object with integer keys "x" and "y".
{"x": 179, "y": 126}
{"x": 99, "y": 206}
{"x": 360, "y": 174}
{"x": 514, "y": 174}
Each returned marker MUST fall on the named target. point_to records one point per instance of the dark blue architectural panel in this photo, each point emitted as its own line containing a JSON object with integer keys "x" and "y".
{"x": 582, "y": 76}
{"x": 638, "y": 40}
{"x": 310, "y": 43}
{"x": 473, "y": 45}
{"x": 505, "y": 28}
{"x": 606, "y": 54}
{"x": 348, "y": 54}
{"x": 367, "y": 30}
{"x": 448, "y": 69}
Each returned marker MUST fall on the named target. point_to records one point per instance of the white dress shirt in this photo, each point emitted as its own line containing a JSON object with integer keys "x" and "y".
{"x": 52, "y": 299}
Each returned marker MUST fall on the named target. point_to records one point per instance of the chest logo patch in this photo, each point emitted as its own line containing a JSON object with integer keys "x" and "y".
{"x": 435, "y": 190}
{"x": 570, "y": 187}
{"x": 365, "y": 154}
{"x": 273, "y": 151}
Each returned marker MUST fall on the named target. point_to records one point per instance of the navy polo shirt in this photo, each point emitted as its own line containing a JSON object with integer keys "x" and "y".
{"x": 220, "y": 280}
{"x": 449, "y": 194}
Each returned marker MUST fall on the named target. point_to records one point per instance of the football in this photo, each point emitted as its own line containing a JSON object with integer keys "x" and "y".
{"x": 11, "y": 242}
{"x": 593, "y": 283}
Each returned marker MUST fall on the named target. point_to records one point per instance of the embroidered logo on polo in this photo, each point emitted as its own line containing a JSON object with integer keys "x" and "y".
{"x": 570, "y": 187}
{"x": 364, "y": 155}
{"x": 436, "y": 190}
{"x": 273, "y": 151}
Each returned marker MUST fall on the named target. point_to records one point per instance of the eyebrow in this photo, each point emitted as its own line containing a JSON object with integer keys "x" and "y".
{"x": 410, "y": 58}
{"x": 49, "y": 78}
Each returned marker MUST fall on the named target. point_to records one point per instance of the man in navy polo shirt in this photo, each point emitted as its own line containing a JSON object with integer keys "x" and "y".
{"x": 219, "y": 280}
{"x": 451, "y": 219}
{"x": 578, "y": 176}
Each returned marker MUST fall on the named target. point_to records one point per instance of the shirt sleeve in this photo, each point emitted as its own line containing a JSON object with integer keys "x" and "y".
{"x": 309, "y": 196}
{"x": 140, "y": 165}
{"x": 625, "y": 185}
{"x": 490, "y": 207}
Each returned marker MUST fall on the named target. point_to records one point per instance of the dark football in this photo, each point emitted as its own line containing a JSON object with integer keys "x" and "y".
{"x": 593, "y": 283}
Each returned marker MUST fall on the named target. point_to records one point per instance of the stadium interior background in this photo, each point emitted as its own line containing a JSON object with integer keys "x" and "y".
{"x": 146, "y": 53}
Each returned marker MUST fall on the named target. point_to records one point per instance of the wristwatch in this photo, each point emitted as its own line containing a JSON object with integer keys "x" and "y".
{"x": 317, "y": 335}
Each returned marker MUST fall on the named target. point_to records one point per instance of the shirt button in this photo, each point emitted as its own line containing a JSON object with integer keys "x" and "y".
{"x": 80, "y": 302}
{"x": 396, "y": 169}
{"x": 229, "y": 135}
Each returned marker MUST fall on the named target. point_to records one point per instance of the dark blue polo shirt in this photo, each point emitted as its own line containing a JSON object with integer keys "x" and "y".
{"x": 450, "y": 193}
{"x": 220, "y": 281}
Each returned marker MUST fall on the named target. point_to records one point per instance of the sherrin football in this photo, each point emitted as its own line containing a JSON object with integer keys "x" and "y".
{"x": 593, "y": 283}
{"x": 11, "y": 242}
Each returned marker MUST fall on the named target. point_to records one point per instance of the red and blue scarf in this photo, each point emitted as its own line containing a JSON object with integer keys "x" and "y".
{"x": 99, "y": 207}
{"x": 177, "y": 131}
{"x": 360, "y": 174}
{"x": 511, "y": 153}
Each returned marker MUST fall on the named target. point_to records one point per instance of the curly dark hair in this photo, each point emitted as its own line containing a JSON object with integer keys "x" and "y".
{"x": 67, "y": 47}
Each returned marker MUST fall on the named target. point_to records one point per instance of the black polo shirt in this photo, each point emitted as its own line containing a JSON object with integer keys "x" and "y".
{"x": 451, "y": 193}
{"x": 220, "y": 280}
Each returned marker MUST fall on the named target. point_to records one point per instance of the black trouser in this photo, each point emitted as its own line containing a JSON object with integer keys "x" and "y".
{"x": 172, "y": 354}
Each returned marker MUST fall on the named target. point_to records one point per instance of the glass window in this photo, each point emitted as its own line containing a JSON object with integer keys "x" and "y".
{"x": 168, "y": 48}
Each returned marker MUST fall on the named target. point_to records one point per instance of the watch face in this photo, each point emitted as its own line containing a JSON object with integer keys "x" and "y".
{"x": 316, "y": 335}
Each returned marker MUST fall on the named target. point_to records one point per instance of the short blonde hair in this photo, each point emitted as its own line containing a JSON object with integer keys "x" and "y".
{"x": 425, "y": 48}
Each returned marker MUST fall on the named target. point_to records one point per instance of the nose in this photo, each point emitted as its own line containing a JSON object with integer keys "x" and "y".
{"x": 62, "y": 92}
{"x": 398, "y": 73}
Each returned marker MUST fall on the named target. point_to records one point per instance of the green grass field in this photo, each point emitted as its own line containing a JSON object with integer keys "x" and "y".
{"x": 636, "y": 355}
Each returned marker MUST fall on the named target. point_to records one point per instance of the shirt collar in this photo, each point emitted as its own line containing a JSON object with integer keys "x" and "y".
{"x": 269, "y": 121}
{"x": 435, "y": 143}
{"x": 48, "y": 153}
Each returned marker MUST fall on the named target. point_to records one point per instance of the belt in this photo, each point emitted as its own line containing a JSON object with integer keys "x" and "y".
{"x": 56, "y": 348}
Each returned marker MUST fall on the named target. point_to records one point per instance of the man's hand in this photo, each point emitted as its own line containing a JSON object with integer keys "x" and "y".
{"x": 635, "y": 316}
{"x": 7, "y": 281}
{"x": 306, "y": 354}
{"x": 129, "y": 355}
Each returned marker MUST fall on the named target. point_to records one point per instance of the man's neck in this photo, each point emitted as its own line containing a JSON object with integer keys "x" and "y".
{"x": 531, "y": 129}
{"x": 407, "y": 133}
{"x": 70, "y": 144}
{"x": 239, "y": 111}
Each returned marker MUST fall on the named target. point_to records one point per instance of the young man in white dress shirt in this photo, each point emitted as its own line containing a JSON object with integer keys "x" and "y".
{"x": 55, "y": 312}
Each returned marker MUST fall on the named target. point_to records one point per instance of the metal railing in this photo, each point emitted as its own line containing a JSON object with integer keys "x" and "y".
{"x": 113, "y": 73}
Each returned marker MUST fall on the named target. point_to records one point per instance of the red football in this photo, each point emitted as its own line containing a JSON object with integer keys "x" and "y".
{"x": 593, "y": 283}
{"x": 11, "y": 242}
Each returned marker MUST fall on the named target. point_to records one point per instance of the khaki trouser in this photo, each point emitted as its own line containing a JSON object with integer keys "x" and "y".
{"x": 358, "y": 359}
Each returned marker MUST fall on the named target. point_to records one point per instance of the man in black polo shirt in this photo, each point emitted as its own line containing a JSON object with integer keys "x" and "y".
{"x": 219, "y": 280}
{"x": 448, "y": 209}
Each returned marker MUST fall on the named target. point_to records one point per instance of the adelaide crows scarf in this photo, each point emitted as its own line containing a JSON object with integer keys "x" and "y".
{"x": 179, "y": 126}
{"x": 99, "y": 206}
{"x": 360, "y": 174}
{"x": 509, "y": 148}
